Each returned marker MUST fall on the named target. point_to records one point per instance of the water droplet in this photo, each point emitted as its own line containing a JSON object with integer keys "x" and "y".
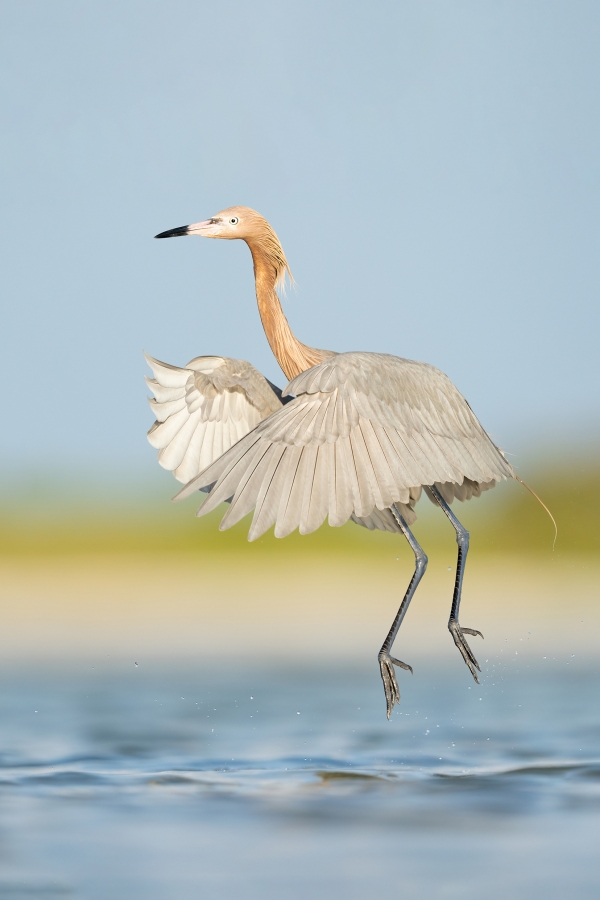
{"x": 135, "y": 664}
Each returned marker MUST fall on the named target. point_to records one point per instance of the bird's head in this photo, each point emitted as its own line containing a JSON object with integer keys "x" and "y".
{"x": 246, "y": 224}
{"x": 236, "y": 222}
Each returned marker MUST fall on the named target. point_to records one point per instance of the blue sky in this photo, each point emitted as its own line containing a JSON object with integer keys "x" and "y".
{"x": 430, "y": 167}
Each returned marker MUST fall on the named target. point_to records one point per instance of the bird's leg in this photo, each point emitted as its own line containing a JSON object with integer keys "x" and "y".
{"x": 387, "y": 662}
{"x": 457, "y": 632}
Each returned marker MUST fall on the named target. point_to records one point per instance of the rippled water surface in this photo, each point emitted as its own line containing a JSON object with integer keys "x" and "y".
{"x": 234, "y": 781}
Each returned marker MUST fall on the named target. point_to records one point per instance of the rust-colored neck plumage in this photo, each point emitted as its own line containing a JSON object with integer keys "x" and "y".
{"x": 270, "y": 267}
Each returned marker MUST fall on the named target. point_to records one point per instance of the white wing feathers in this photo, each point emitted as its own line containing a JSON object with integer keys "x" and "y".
{"x": 203, "y": 409}
{"x": 364, "y": 431}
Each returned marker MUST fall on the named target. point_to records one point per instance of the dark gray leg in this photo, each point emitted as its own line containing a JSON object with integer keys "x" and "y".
{"x": 387, "y": 662}
{"x": 462, "y": 539}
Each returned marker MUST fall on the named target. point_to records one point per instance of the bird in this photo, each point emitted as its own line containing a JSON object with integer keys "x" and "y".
{"x": 354, "y": 435}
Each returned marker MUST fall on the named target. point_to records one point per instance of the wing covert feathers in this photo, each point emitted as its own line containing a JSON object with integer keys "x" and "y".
{"x": 364, "y": 431}
{"x": 204, "y": 409}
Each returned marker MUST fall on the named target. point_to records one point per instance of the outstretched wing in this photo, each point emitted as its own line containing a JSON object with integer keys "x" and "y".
{"x": 364, "y": 431}
{"x": 203, "y": 409}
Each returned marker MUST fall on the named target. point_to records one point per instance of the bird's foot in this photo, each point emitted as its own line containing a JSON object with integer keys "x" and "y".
{"x": 458, "y": 634}
{"x": 388, "y": 676}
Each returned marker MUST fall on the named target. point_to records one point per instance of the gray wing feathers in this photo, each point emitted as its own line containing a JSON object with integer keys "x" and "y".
{"x": 203, "y": 409}
{"x": 464, "y": 491}
{"x": 340, "y": 492}
{"x": 364, "y": 431}
{"x": 384, "y": 519}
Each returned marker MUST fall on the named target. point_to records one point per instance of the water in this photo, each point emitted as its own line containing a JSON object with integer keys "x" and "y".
{"x": 231, "y": 780}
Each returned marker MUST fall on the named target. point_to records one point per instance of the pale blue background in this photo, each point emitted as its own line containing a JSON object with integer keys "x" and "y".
{"x": 431, "y": 169}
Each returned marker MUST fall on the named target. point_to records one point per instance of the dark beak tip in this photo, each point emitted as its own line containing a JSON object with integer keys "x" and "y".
{"x": 173, "y": 232}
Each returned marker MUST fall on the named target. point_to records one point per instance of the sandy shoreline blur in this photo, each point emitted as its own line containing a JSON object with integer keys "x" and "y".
{"x": 174, "y": 607}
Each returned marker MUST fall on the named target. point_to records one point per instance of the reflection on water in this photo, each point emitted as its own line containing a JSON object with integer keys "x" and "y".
{"x": 144, "y": 782}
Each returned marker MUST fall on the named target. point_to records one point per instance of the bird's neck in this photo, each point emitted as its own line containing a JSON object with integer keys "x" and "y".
{"x": 292, "y": 355}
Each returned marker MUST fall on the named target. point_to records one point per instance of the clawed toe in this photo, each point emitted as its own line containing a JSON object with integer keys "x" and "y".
{"x": 472, "y": 631}
{"x": 388, "y": 676}
{"x": 458, "y": 633}
{"x": 403, "y": 665}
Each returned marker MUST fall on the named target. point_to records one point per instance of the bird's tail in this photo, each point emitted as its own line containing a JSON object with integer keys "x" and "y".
{"x": 541, "y": 502}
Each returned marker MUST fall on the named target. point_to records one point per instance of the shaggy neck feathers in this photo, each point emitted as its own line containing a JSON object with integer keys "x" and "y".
{"x": 270, "y": 268}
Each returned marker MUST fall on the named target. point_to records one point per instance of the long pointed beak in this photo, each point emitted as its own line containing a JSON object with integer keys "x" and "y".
{"x": 208, "y": 228}
{"x": 173, "y": 232}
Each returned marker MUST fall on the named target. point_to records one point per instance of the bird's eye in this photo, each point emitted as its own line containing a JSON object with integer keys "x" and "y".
{"x": 234, "y": 220}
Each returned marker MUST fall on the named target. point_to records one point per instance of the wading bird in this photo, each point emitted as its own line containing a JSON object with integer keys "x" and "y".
{"x": 352, "y": 436}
